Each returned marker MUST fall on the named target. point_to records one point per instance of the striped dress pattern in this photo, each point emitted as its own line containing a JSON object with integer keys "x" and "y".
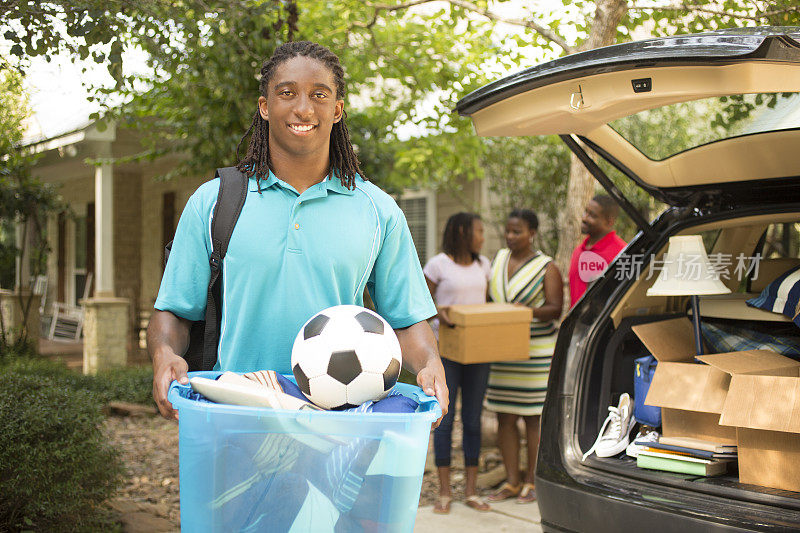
{"x": 519, "y": 387}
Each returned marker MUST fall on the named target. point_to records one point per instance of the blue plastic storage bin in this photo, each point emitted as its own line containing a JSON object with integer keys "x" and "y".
{"x": 253, "y": 469}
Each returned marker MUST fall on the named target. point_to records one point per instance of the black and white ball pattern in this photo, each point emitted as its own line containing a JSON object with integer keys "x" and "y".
{"x": 344, "y": 356}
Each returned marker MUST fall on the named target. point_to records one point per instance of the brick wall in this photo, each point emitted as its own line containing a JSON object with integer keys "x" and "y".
{"x": 105, "y": 346}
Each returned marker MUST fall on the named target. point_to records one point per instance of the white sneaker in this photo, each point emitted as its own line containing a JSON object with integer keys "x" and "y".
{"x": 646, "y": 434}
{"x": 613, "y": 437}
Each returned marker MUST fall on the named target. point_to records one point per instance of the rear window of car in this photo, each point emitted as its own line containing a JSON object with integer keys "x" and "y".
{"x": 780, "y": 241}
{"x": 665, "y": 131}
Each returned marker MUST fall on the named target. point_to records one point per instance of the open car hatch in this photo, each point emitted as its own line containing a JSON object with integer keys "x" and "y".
{"x": 709, "y": 112}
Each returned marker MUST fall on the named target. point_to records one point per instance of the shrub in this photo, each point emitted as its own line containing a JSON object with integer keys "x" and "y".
{"x": 56, "y": 468}
{"x": 129, "y": 384}
{"x": 15, "y": 347}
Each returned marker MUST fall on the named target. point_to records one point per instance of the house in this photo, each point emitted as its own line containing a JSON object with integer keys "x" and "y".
{"x": 122, "y": 216}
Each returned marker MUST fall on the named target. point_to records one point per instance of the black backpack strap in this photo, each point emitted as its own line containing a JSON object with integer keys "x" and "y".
{"x": 230, "y": 200}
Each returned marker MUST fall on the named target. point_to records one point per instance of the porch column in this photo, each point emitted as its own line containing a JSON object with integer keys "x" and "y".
{"x": 106, "y": 318}
{"x": 104, "y": 230}
{"x": 105, "y": 330}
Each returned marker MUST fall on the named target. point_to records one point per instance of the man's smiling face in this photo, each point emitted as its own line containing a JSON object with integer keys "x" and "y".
{"x": 595, "y": 222}
{"x": 301, "y": 107}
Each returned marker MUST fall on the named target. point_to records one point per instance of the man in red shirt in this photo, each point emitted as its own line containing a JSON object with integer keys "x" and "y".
{"x": 591, "y": 257}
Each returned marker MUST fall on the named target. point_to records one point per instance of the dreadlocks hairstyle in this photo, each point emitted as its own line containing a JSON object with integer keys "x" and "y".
{"x": 344, "y": 162}
{"x": 458, "y": 235}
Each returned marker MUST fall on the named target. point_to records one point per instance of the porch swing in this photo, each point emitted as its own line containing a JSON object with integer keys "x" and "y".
{"x": 67, "y": 322}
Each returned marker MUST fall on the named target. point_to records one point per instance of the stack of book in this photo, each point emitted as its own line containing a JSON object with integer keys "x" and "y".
{"x": 686, "y": 456}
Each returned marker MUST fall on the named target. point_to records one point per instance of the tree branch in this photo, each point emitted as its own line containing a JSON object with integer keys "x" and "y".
{"x": 398, "y": 7}
{"x": 545, "y": 32}
{"x": 243, "y": 46}
{"x": 693, "y": 8}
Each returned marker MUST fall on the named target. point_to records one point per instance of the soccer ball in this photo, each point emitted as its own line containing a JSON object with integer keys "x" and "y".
{"x": 344, "y": 356}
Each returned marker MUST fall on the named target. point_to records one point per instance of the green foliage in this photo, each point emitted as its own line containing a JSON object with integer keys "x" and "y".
{"x": 647, "y": 206}
{"x": 407, "y": 64}
{"x": 201, "y": 91}
{"x": 17, "y": 347}
{"x": 736, "y": 111}
{"x": 376, "y": 158}
{"x": 528, "y": 173}
{"x": 404, "y": 76}
{"x": 85, "y": 29}
{"x": 709, "y": 15}
{"x": 657, "y": 133}
{"x": 438, "y": 161}
{"x": 56, "y": 468}
{"x": 13, "y": 109}
{"x": 130, "y": 384}
{"x": 23, "y": 199}
{"x": 127, "y": 384}
{"x": 664, "y": 131}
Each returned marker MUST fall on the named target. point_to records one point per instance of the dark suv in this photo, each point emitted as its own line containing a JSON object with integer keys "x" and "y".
{"x": 709, "y": 125}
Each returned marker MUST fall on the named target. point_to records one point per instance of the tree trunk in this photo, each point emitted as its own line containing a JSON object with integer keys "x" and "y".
{"x": 581, "y": 186}
{"x": 580, "y": 190}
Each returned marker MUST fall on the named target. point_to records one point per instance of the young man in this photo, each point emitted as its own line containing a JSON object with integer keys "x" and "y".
{"x": 598, "y": 249}
{"x": 312, "y": 234}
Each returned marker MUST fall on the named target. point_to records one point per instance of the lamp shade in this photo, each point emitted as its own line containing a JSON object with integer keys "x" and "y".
{"x": 686, "y": 270}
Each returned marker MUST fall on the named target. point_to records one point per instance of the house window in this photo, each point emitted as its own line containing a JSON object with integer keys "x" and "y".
{"x": 419, "y": 209}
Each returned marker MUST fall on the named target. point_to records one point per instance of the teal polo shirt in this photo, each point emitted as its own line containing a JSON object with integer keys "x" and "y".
{"x": 290, "y": 256}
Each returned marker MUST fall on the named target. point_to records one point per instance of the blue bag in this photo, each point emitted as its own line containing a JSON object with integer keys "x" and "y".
{"x": 644, "y": 368}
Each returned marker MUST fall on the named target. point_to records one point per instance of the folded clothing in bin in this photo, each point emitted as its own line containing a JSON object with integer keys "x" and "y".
{"x": 282, "y": 389}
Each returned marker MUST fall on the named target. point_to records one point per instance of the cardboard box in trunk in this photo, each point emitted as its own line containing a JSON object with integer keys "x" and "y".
{"x": 486, "y": 332}
{"x": 766, "y": 413}
{"x": 692, "y": 395}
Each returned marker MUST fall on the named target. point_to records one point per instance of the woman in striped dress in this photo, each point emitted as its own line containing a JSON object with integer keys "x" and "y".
{"x": 523, "y": 276}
